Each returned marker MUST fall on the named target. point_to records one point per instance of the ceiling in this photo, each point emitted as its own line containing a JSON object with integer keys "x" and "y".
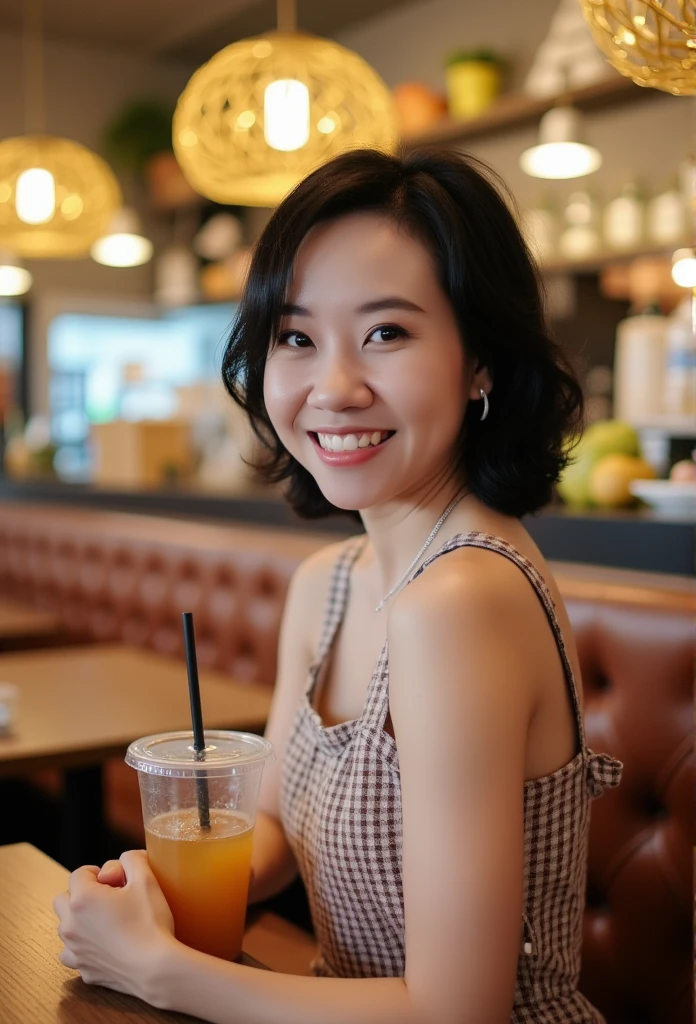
{"x": 180, "y": 29}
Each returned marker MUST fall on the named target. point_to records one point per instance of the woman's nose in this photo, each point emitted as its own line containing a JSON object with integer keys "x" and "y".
{"x": 339, "y": 384}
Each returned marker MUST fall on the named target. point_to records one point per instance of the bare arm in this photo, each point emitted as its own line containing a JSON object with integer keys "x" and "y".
{"x": 460, "y": 708}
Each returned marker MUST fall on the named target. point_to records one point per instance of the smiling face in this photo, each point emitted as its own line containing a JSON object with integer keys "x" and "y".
{"x": 368, "y": 382}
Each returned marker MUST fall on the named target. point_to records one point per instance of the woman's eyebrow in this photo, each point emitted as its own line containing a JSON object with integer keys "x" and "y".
{"x": 374, "y": 306}
{"x": 291, "y": 309}
{"x": 390, "y": 302}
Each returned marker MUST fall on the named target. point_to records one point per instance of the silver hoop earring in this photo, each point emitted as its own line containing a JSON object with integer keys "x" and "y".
{"x": 484, "y": 396}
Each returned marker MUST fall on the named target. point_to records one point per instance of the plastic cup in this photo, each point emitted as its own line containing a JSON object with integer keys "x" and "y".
{"x": 203, "y": 872}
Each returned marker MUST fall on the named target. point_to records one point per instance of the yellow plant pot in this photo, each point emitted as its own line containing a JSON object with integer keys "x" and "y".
{"x": 472, "y": 85}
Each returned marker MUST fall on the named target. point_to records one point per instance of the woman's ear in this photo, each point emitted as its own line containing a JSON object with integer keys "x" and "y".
{"x": 481, "y": 379}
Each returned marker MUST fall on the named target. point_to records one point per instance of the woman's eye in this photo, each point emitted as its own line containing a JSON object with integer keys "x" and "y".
{"x": 387, "y": 332}
{"x": 294, "y": 339}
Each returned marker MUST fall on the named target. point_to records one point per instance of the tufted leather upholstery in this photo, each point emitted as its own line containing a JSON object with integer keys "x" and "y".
{"x": 636, "y": 642}
{"x": 122, "y": 577}
{"x": 125, "y": 577}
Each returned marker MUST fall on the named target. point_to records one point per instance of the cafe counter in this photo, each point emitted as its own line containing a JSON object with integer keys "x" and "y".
{"x": 627, "y": 539}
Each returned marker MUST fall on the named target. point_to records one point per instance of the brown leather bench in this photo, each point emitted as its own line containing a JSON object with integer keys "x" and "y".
{"x": 122, "y": 577}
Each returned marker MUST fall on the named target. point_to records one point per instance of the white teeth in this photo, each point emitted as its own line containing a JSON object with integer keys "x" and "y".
{"x": 349, "y": 442}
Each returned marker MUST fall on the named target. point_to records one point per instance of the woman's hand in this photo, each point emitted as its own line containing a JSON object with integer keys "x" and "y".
{"x": 116, "y": 924}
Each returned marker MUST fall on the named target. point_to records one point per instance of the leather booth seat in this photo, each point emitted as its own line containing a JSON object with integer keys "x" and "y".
{"x": 123, "y": 577}
{"x": 116, "y": 577}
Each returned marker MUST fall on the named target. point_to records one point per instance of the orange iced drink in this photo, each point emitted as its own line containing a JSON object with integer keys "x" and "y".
{"x": 203, "y": 872}
{"x": 204, "y": 875}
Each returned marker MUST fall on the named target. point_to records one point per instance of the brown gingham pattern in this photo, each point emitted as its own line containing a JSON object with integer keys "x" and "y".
{"x": 341, "y": 811}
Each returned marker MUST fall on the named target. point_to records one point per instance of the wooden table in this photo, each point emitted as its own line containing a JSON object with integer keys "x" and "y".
{"x": 35, "y": 988}
{"x": 23, "y": 626}
{"x": 79, "y": 706}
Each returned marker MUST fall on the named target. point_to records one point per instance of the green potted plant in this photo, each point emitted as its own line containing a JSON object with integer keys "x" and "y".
{"x": 473, "y": 81}
{"x": 138, "y": 141}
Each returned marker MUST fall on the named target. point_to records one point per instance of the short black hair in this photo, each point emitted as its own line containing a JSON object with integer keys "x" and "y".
{"x": 459, "y": 208}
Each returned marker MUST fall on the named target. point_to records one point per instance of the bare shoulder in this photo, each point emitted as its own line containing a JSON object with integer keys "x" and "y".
{"x": 471, "y": 616}
{"x": 308, "y": 592}
{"x": 314, "y": 572}
{"x": 466, "y": 579}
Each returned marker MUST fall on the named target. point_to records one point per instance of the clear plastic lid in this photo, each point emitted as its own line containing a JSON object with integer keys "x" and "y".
{"x": 226, "y": 753}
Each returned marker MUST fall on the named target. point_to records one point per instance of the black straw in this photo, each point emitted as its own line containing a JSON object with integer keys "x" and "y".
{"x": 196, "y": 717}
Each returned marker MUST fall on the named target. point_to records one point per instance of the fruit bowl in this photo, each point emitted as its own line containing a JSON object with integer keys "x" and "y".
{"x": 666, "y": 496}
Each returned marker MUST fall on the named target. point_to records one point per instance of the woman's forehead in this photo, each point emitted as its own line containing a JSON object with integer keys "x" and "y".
{"x": 359, "y": 252}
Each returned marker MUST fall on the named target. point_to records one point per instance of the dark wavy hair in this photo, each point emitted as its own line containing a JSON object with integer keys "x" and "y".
{"x": 459, "y": 209}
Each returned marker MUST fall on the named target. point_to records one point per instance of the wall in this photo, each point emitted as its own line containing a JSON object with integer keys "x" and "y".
{"x": 647, "y": 138}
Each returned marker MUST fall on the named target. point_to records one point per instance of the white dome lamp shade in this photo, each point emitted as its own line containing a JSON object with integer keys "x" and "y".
{"x": 124, "y": 244}
{"x": 15, "y": 279}
{"x": 561, "y": 153}
{"x": 684, "y": 268}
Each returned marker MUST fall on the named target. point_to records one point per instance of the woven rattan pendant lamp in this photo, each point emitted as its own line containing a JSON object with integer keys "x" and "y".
{"x": 56, "y": 196}
{"x": 264, "y": 112}
{"x": 651, "y": 41}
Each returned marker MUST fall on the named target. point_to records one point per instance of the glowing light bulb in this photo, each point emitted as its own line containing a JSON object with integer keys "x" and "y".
{"x": 35, "y": 196}
{"x": 14, "y": 279}
{"x": 560, "y": 160}
{"x": 286, "y": 114}
{"x": 684, "y": 268}
{"x": 124, "y": 244}
{"x": 561, "y": 153}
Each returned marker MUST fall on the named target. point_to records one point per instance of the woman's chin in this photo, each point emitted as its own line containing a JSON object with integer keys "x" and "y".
{"x": 351, "y": 501}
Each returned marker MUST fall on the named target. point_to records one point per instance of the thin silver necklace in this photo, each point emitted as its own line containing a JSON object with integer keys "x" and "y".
{"x": 433, "y": 534}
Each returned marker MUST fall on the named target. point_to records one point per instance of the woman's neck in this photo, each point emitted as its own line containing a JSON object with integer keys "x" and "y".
{"x": 398, "y": 530}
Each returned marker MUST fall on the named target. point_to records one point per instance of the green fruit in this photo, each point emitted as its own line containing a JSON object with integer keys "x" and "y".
{"x": 574, "y": 484}
{"x": 606, "y": 437}
{"x": 610, "y": 437}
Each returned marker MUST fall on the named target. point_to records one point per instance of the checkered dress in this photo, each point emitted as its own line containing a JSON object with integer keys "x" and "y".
{"x": 341, "y": 811}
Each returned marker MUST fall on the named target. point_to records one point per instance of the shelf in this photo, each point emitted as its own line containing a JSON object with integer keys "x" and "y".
{"x": 670, "y": 426}
{"x": 515, "y": 110}
{"x": 606, "y": 258}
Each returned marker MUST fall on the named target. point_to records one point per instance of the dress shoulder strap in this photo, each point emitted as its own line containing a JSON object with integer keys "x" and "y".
{"x": 503, "y": 547}
{"x": 338, "y": 592}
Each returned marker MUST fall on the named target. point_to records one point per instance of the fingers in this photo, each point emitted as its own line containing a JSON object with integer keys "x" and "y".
{"x": 67, "y": 958}
{"x": 135, "y": 865}
{"x": 113, "y": 874}
{"x": 83, "y": 878}
{"x": 61, "y": 904}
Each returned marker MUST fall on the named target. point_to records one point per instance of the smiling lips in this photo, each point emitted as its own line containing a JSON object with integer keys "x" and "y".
{"x": 349, "y": 448}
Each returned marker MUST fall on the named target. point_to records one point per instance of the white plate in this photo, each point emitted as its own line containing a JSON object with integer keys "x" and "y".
{"x": 671, "y": 498}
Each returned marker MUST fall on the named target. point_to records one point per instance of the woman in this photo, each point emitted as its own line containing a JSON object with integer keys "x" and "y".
{"x": 432, "y": 782}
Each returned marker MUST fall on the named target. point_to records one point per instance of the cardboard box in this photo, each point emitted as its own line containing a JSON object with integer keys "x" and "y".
{"x": 142, "y": 453}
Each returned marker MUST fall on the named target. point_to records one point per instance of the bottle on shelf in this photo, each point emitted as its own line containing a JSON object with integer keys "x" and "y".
{"x": 666, "y": 220}
{"x": 639, "y": 361}
{"x": 580, "y": 237}
{"x": 623, "y": 220}
{"x": 680, "y": 362}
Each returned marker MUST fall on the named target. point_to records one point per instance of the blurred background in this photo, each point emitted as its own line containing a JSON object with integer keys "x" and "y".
{"x": 117, "y": 292}
{"x": 143, "y": 146}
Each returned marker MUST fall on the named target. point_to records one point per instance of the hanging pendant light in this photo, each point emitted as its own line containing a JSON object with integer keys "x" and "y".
{"x": 56, "y": 196}
{"x": 560, "y": 153}
{"x": 653, "y": 42}
{"x": 124, "y": 244}
{"x": 15, "y": 279}
{"x": 264, "y": 112}
{"x": 684, "y": 268}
